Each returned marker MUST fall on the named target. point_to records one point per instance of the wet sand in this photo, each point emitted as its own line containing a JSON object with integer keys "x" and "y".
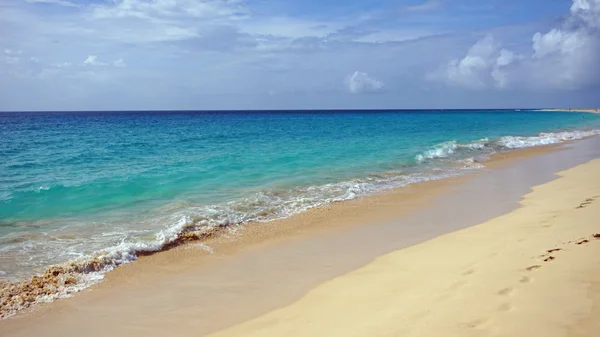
{"x": 188, "y": 291}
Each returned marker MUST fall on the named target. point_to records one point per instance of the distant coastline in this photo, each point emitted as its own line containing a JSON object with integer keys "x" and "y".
{"x": 594, "y": 111}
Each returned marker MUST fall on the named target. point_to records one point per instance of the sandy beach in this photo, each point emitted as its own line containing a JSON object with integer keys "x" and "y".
{"x": 381, "y": 265}
{"x": 230, "y": 168}
{"x": 534, "y": 270}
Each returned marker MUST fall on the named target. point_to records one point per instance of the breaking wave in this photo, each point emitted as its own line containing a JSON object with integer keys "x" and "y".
{"x": 512, "y": 142}
{"x": 485, "y": 146}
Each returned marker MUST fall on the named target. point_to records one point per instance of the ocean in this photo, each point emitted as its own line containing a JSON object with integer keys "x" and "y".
{"x": 96, "y": 189}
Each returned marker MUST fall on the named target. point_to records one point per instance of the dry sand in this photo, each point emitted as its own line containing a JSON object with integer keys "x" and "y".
{"x": 532, "y": 272}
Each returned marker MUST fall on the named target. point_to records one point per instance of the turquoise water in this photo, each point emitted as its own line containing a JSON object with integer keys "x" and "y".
{"x": 76, "y": 186}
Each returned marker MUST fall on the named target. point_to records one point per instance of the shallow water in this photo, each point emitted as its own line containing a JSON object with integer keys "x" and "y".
{"x": 75, "y": 186}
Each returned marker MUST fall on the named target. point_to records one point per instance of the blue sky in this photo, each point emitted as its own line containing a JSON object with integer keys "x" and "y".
{"x": 290, "y": 54}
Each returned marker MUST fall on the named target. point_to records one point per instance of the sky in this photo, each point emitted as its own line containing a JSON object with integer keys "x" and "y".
{"x": 298, "y": 54}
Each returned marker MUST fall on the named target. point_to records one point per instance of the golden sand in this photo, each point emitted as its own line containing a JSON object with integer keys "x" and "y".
{"x": 532, "y": 272}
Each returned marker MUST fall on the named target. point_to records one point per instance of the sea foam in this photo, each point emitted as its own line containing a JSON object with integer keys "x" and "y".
{"x": 513, "y": 142}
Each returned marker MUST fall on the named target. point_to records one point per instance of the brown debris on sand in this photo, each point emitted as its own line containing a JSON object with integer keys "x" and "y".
{"x": 63, "y": 280}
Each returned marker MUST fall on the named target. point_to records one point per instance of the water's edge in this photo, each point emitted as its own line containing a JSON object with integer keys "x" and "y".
{"x": 64, "y": 280}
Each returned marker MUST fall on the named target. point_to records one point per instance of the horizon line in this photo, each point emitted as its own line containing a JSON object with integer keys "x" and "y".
{"x": 301, "y": 110}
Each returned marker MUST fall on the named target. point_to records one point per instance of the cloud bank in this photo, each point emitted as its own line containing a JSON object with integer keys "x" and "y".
{"x": 246, "y": 54}
{"x": 564, "y": 58}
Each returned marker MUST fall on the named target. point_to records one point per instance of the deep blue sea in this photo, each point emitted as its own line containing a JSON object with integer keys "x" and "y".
{"x": 107, "y": 185}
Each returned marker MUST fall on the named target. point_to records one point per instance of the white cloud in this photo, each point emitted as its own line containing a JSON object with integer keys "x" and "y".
{"x": 472, "y": 69}
{"x": 63, "y": 65}
{"x": 360, "y": 82}
{"x": 567, "y": 57}
{"x": 54, "y": 2}
{"x": 119, "y": 63}
{"x": 587, "y": 11}
{"x": 506, "y": 57}
{"x": 11, "y": 56}
{"x": 481, "y": 67}
{"x": 12, "y": 52}
{"x": 11, "y": 59}
{"x": 291, "y": 27}
{"x": 557, "y": 41}
{"x": 143, "y": 21}
{"x": 92, "y": 60}
{"x": 429, "y": 5}
{"x": 171, "y": 8}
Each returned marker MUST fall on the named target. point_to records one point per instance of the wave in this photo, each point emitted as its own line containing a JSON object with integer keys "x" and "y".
{"x": 469, "y": 164}
{"x": 485, "y": 146}
{"x": 189, "y": 223}
{"x": 185, "y": 222}
{"x": 446, "y": 149}
{"x": 514, "y": 142}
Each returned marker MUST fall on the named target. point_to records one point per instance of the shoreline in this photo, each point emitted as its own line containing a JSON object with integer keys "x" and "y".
{"x": 533, "y": 269}
{"x": 593, "y": 111}
{"x": 252, "y": 233}
{"x": 166, "y": 279}
{"x": 62, "y": 280}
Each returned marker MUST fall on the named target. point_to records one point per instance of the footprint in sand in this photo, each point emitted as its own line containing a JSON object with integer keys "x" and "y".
{"x": 587, "y": 202}
{"x": 505, "y": 307}
{"x": 468, "y": 272}
{"x": 525, "y": 279}
{"x": 547, "y": 257}
{"x": 582, "y": 241}
{"x": 506, "y": 292}
{"x": 457, "y": 285}
{"x": 479, "y": 323}
{"x": 534, "y": 267}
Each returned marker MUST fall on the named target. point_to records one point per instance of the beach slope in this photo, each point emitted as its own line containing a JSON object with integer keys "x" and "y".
{"x": 533, "y": 271}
